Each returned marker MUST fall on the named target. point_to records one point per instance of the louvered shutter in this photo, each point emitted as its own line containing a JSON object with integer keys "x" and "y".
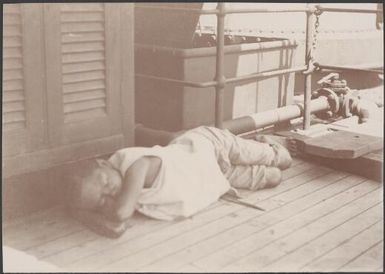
{"x": 23, "y": 119}
{"x": 14, "y": 116}
{"x": 83, "y": 71}
{"x": 67, "y": 83}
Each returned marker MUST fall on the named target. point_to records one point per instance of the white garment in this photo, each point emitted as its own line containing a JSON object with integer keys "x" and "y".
{"x": 188, "y": 181}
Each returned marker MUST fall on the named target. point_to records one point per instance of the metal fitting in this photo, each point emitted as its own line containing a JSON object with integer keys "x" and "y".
{"x": 333, "y": 98}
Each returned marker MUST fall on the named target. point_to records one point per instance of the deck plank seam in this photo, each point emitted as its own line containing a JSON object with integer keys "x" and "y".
{"x": 364, "y": 251}
{"x": 325, "y": 232}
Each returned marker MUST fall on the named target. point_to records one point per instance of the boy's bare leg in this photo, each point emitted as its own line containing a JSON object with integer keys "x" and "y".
{"x": 253, "y": 177}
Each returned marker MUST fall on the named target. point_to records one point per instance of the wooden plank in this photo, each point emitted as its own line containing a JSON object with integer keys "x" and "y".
{"x": 83, "y": 96}
{"x": 82, "y": 47}
{"x": 345, "y": 252}
{"x": 82, "y": 115}
{"x": 46, "y": 158}
{"x": 14, "y": 63}
{"x": 263, "y": 255}
{"x": 342, "y": 144}
{"x": 34, "y": 75}
{"x": 14, "y": 52}
{"x": 79, "y": 17}
{"x": 79, "y": 87}
{"x": 196, "y": 221}
{"x": 370, "y": 260}
{"x": 78, "y": 244}
{"x": 369, "y": 165}
{"x": 13, "y": 117}
{"x": 53, "y": 57}
{"x": 320, "y": 246}
{"x": 127, "y": 82}
{"x": 246, "y": 229}
{"x": 82, "y": 27}
{"x": 114, "y": 52}
{"x": 84, "y": 76}
{"x": 13, "y": 107}
{"x": 84, "y": 105}
{"x": 80, "y": 67}
{"x": 12, "y": 75}
{"x": 92, "y": 56}
{"x": 84, "y": 7}
{"x": 284, "y": 220}
{"x": 149, "y": 255}
{"x": 189, "y": 268}
{"x": 11, "y": 30}
{"x": 11, "y": 8}
{"x": 82, "y": 37}
{"x": 39, "y": 229}
{"x": 13, "y": 85}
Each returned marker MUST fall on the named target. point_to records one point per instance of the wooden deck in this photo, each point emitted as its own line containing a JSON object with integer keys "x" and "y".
{"x": 318, "y": 219}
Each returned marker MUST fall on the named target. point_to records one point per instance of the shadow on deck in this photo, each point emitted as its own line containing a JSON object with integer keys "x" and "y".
{"x": 318, "y": 219}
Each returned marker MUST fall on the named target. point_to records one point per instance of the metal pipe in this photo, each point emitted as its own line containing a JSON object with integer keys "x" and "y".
{"x": 149, "y": 137}
{"x": 339, "y": 68}
{"x": 271, "y": 117}
{"x": 219, "y": 73}
{"x": 145, "y": 136}
{"x": 349, "y": 10}
{"x": 310, "y": 15}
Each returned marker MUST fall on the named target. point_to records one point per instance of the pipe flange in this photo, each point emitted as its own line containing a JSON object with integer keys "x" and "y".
{"x": 333, "y": 98}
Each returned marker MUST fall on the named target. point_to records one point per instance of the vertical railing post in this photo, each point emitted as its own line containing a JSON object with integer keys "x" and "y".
{"x": 219, "y": 74}
{"x": 310, "y": 15}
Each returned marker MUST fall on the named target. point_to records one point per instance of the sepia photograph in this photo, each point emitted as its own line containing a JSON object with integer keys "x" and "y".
{"x": 192, "y": 137}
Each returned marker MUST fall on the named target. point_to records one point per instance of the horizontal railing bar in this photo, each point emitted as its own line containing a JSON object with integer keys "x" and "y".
{"x": 328, "y": 9}
{"x": 362, "y": 68}
{"x": 227, "y": 11}
{"x": 199, "y": 11}
{"x": 258, "y": 10}
{"x": 181, "y": 82}
{"x": 265, "y": 74}
{"x": 229, "y": 80}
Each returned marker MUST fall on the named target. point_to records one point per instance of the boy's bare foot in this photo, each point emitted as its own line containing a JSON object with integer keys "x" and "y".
{"x": 273, "y": 177}
{"x": 287, "y": 142}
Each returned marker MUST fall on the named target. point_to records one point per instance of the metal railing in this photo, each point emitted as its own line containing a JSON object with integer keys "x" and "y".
{"x": 220, "y": 81}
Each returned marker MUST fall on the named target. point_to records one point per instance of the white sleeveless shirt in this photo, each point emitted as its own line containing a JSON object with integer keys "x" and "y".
{"x": 188, "y": 181}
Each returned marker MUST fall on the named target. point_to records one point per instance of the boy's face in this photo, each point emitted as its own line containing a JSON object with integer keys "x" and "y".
{"x": 103, "y": 184}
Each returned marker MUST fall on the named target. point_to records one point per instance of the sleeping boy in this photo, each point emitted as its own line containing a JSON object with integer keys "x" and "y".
{"x": 175, "y": 181}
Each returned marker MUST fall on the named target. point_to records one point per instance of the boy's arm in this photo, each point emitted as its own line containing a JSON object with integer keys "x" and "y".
{"x": 133, "y": 183}
{"x": 99, "y": 223}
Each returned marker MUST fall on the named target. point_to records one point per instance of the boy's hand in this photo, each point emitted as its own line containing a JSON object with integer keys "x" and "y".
{"x": 109, "y": 209}
{"x": 114, "y": 229}
{"x": 100, "y": 224}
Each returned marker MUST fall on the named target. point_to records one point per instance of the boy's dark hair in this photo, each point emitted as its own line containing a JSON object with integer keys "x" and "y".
{"x": 77, "y": 173}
